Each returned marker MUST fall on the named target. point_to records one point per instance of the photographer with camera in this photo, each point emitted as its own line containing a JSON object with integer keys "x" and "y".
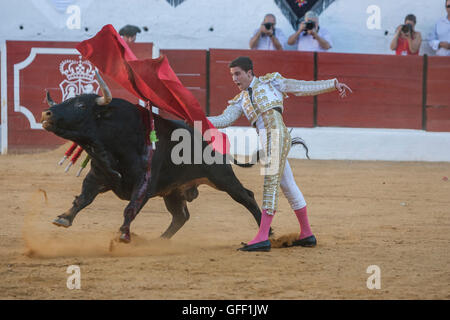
{"x": 406, "y": 40}
{"x": 267, "y": 37}
{"x": 309, "y": 36}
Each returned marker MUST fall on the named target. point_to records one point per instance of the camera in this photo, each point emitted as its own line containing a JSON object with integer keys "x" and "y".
{"x": 268, "y": 25}
{"x": 309, "y": 25}
{"x": 407, "y": 28}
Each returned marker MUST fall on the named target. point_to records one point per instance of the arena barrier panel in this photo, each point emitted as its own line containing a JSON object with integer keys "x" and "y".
{"x": 389, "y": 91}
{"x": 31, "y": 67}
{"x": 438, "y": 94}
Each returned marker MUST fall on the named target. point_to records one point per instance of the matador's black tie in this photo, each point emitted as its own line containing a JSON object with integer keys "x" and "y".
{"x": 250, "y": 94}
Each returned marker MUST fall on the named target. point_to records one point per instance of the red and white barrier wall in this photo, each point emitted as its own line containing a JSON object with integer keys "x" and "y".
{"x": 400, "y": 108}
{"x": 28, "y": 68}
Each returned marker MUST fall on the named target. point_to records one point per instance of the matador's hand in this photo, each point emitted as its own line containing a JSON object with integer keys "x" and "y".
{"x": 342, "y": 89}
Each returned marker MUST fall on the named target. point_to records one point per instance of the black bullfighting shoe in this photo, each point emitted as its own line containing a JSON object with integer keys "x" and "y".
{"x": 310, "y": 241}
{"x": 259, "y": 246}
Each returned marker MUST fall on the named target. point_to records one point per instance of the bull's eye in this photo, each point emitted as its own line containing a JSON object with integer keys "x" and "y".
{"x": 79, "y": 105}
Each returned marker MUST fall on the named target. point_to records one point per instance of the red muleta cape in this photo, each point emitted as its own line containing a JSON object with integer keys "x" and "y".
{"x": 150, "y": 80}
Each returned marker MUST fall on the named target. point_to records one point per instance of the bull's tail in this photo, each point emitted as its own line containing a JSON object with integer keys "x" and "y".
{"x": 298, "y": 140}
{"x": 256, "y": 155}
{"x": 255, "y": 159}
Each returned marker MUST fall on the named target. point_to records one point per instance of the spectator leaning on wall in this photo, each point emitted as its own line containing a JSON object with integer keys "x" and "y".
{"x": 406, "y": 40}
{"x": 267, "y": 37}
{"x": 310, "y": 36}
{"x": 129, "y": 32}
{"x": 440, "y": 38}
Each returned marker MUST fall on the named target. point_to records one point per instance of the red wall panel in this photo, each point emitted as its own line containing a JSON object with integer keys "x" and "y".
{"x": 438, "y": 94}
{"x": 387, "y": 91}
{"x": 438, "y": 119}
{"x": 33, "y": 80}
{"x": 298, "y": 111}
{"x": 37, "y": 75}
{"x": 438, "y": 82}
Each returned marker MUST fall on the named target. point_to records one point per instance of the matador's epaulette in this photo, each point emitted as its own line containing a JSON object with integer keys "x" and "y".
{"x": 237, "y": 98}
{"x": 270, "y": 77}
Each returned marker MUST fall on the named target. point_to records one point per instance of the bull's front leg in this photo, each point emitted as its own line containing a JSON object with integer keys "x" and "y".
{"x": 139, "y": 198}
{"x": 90, "y": 189}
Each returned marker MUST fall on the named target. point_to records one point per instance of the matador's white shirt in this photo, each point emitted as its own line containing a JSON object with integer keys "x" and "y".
{"x": 268, "y": 93}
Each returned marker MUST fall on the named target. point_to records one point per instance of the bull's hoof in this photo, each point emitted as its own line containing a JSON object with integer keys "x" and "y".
{"x": 62, "y": 222}
{"x": 125, "y": 237}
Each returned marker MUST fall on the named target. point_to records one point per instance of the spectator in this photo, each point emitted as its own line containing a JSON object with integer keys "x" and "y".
{"x": 407, "y": 40}
{"x": 267, "y": 37}
{"x": 129, "y": 32}
{"x": 310, "y": 36}
{"x": 440, "y": 39}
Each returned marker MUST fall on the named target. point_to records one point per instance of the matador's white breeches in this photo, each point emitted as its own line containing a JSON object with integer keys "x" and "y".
{"x": 290, "y": 189}
{"x": 276, "y": 143}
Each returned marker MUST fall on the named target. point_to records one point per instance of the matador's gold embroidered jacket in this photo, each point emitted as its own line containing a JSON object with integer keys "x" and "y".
{"x": 268, "y": 93}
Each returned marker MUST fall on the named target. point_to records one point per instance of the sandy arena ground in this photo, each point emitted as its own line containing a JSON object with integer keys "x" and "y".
{"x": 393, "y": 215}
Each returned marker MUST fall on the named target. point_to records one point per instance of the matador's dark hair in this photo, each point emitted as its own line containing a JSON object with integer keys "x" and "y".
{"x": 245, "y": 63}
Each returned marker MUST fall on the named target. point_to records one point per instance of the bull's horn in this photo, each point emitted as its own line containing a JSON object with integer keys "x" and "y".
{"x": 49, "y": 99}
{"x": 107, "y": 97}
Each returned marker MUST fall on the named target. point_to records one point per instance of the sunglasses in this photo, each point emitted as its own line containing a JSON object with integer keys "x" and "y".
{"x": 448, "y": 6}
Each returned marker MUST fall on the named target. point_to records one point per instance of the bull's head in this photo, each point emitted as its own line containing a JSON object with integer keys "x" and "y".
{"x": 74, "y": 114}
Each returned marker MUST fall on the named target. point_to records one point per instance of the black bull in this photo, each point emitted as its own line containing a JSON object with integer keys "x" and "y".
{"x": 114, "y": 136}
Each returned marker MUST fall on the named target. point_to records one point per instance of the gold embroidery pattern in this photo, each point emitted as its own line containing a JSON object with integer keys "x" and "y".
{"x": 236, "y": 98}
{"x": 249, "y": 110}
{"x": 271, "y": 76}
{"x": 274, "y": 141}
{"x": 265, "y": 97}
{"x": 260, "y": 100}
{"x": 259, "y": 92}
